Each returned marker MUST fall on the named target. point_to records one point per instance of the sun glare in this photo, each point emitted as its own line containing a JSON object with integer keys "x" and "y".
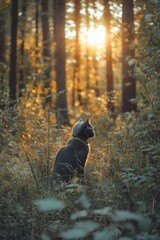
{"x": 94, "y": 36}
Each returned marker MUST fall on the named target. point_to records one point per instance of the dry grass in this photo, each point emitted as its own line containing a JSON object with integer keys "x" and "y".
{"x": 24, "y": 179}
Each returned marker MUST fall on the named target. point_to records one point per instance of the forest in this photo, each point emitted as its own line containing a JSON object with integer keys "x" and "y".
{"x": 60, "y": 61}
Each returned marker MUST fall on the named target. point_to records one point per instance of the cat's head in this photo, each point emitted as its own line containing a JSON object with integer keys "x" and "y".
{"x": 83, "y": 129}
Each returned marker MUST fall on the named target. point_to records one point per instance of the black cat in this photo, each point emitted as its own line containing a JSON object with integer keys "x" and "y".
{"x": 70, "y": 159}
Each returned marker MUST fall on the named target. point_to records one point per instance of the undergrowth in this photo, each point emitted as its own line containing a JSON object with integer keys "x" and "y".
{"x": 117, "y": 199}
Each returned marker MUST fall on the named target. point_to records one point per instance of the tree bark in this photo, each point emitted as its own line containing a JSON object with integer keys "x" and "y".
{"x": 87, "y": 50}
{"x": 77, "y": 56}
{"x": 2, "y": 37}
{"x": 36, "y": 34}
{"x": 22, "y": 52}
{"x": 95, "y": 67}
{"x": 59, "y": 36}
{"x": 2, "y": 59}
{"x": 13, "y": 55}
{"x": 109, "y": 71}
{"x": 46, "y": 52}
{"x": 128, "y": 80}
{"x": 46, "y": 43}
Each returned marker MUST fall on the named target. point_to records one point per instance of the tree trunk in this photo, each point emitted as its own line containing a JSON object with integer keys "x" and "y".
{"x": 59, "y": 36}
{"x": 2, "y": 37}
{"x": 109, "y": 71}
{"x": 13, "y": 55}
{"x": 128, "y": 80}
{"x": 95, "y": 67}
{"x": 77, "y": 55}
{"x": 36, "y": 34}
{"x": 87, "y": 50}
{"x": 46, "y": 43}
{"x": 2, "y": 58}
{"x": 46, "y": 52}
{"x": 21, "y": 67}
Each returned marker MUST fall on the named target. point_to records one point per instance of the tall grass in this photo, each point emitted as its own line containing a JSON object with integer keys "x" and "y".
{"x": 119, "y": 175}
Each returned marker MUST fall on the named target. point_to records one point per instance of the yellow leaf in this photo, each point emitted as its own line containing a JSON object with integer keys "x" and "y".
{"x": 75, "y": 180}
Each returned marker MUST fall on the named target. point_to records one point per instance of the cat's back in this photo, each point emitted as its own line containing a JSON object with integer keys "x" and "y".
{"x": 72, "y": 149}
{"x": 66, "y": 158}
{"x": 72, "y": 146}
{"x": 65, "y": 152}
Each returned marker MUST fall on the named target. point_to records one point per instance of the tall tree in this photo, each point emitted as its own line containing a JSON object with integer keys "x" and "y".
{"x": 87, "y": 49}
{"x": 46, "y": 51}
{"x": 2, "y": 56}
{"x": 128, "y": 80}
{"x": 46, "y": 43}
{"x": 109, "y": 71}
{"x": 22, "y": 46}
{"x": 77, "y": 55}
{"x": 60, "y": 58}
{"x": 2, "y": 36}
{"x": 95, "y": 67}
{"x": 13, "y": 55}
{"x": 36, "y": 33}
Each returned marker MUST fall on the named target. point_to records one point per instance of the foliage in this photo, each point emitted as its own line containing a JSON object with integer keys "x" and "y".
{"x": 118, "y": 176}
{"x": 147, "y": 70}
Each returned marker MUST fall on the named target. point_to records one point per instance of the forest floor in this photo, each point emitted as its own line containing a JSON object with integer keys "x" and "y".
{"x": 113, "y": 200}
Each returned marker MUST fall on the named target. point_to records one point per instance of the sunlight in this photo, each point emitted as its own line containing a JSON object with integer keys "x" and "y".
{"x": 94, "y": 36}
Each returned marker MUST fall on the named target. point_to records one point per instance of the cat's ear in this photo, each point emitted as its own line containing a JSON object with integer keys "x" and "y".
{"x": 87, "y": 121}
{"x": 77, "y": 127}
{"x": 80, "y": 120}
